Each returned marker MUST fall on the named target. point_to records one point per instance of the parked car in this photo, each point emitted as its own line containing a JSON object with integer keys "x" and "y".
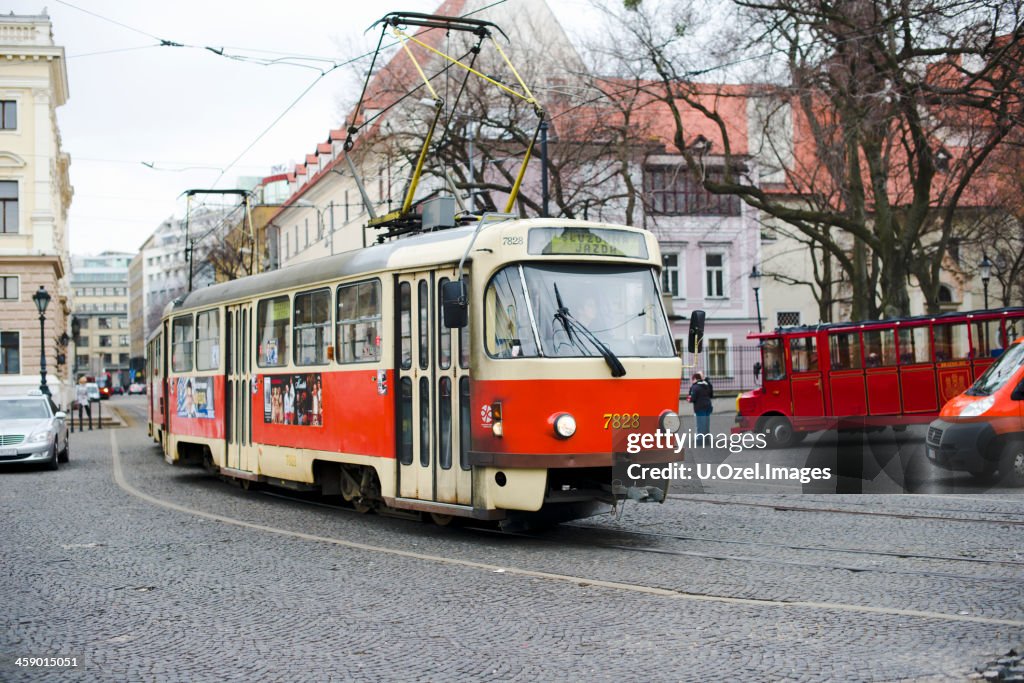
{"x": 94, "y": 391}
{"x": 981, "y": 431}
{"x": 136, "y": 388}
{"x": 32, "y": 431}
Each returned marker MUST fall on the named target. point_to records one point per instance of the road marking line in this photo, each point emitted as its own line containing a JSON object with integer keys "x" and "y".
{"x": 562, "y": 578}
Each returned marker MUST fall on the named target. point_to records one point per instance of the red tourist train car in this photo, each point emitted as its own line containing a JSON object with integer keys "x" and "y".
{"x": 883, "y": 372}
{"x": 349, "y": 375}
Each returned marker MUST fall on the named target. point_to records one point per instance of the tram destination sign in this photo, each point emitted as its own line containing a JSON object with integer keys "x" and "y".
{"x": 586, "y": 242}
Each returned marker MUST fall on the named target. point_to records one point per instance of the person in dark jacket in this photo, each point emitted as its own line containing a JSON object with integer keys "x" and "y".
{"x": 701, "y": 393}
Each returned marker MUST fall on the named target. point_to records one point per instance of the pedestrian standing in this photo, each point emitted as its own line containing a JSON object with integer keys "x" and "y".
{"x": 701, "y": 393}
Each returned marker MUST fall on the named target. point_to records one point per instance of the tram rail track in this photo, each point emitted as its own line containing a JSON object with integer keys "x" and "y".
{"x": 579, "y": 581}
{"x": 835, "y": 510}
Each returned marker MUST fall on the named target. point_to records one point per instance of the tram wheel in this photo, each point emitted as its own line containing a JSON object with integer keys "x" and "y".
{"x": 360, "y": 507}
{"x": 441, "y": 520}
{"x": 779, "y": 432}
{"x": 1011, "y": 463}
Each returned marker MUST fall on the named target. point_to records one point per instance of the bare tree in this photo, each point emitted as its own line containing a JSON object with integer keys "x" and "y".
{"x": 880, "y": 118}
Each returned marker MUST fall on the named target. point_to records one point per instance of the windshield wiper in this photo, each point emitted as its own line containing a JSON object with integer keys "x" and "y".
{"x": 570, "y": 324}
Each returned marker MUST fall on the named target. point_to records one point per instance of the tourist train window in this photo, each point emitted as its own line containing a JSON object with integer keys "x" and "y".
{"x": 312, "y": 328}
{"x": 208, "y": 340}
{"x": 844, "y": 350}
{"x": 985, "y": 339}
{"x": 272, "y": 319}
{"x": 774, "y": 363}
{"x": 803, "y": 353}
{"x": 879, "y": 348}
{"x": 915, "y": 346}
{"x": 181, "y": 344}
{"x": 359, "y": 322}
{"x": 951, "y": 342}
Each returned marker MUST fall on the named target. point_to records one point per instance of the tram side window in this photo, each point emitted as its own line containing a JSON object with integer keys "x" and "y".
{"x": 312, "y": 327}
{"x": 359, "y": 328}
{"x": 181, "y": 344}
{"x": 444, "y": 334}
{"x": 844, "y": 349}
{"x": 803, "y": 352}
{"x": 879, "y": 348}
{"x": 464, "y": 334}
{"x": 405, "y": 323}
{"x": 507, "y": 329}
{"x": 914, "y": 346}
{"x": 774, "y": 364}
{"x": 951, "y": 343}
{"x": 272, "y": 320}
{"x": 208, "y": 340}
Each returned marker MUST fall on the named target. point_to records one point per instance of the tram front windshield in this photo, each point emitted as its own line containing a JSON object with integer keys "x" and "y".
{"x": 571, "y": 310}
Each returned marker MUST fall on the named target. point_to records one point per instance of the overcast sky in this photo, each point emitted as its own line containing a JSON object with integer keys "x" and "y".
{"x": 190, "y": 113}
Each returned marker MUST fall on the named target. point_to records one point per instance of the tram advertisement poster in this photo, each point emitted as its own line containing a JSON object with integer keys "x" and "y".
{"x": 293, "y": 399}
{"x": 195, "y": 397}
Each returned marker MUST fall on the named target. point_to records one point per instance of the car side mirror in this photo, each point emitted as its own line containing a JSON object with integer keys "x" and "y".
{"x": 60, "y": 415}
{"x": 454, "y": 305}
{"x": 695, "y": 342}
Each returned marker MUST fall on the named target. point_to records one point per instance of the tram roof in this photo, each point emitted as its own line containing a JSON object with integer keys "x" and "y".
{"x": 366, "y": 260}
{"x": 399, "y": 254}
{"x": 987, "y": 314}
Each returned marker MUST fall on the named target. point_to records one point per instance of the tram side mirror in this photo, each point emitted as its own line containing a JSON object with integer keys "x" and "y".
{"x": 757, "y": 371}
{"x": 454, "y": 304}
{"x": 695, "y": 342}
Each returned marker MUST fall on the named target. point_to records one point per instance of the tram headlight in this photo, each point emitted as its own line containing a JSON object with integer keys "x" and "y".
{"x": 978, "y": 407}
{"x": 496, "y": 427}
{"x": 669, "y": 422}
{"x": 565, "y": 425}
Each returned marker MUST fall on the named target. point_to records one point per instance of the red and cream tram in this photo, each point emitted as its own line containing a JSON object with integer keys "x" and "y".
{"x": 343, "y": 375}
{"x": 883, "y": 372}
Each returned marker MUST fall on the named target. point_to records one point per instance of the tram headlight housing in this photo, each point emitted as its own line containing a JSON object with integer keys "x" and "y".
{"x": 565, "y": 425}
{"x": 979, "y": 407}
{"x": 496, "y": 426}
{"x": 669, "y": 422}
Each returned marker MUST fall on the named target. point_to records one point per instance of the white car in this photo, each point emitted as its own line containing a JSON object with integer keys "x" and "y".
{"x": 32, "y": 431}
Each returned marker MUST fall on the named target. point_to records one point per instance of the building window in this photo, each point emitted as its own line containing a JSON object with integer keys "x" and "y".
{"x": 714, "y": 275}
{"x": 312, "y": 327}
{"x": 108, "y": 359}
{"x": 9, "y": 287}
{"x": 8, "y": 115}
{"x": 8, "y": 206}
{"x": 787, "y": 318}
{"x": 122, "y": 323}
{"x": 10, "y": 353}
{"x": 106, "y": 341}
{"x": 670, "y": 275}
{"x": 672, "y": 191}
{"x": 124, "y": 358}
{"x": 104, "y": 323}
{"x": 81, "y": 361}
{"x": 718, "y": 358}
{"x": 359, "y": 322}
{"x": 123, "y": 340}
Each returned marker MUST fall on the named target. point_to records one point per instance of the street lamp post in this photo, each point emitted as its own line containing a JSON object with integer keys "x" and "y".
{"x": 42, "y": 300}
{"x": 986, "y": 274}
{"x": 755, "y": 282}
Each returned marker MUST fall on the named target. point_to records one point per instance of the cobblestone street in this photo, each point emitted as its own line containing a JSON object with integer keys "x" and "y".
{"x": 145, "y": 571}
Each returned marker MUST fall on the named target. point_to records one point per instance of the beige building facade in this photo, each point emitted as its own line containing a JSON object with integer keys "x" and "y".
{"x": 35, "y": 194}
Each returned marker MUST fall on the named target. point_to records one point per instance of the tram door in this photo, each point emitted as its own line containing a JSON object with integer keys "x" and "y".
{"x": 432, "y": 373}
{"x": 238, "y": 388}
